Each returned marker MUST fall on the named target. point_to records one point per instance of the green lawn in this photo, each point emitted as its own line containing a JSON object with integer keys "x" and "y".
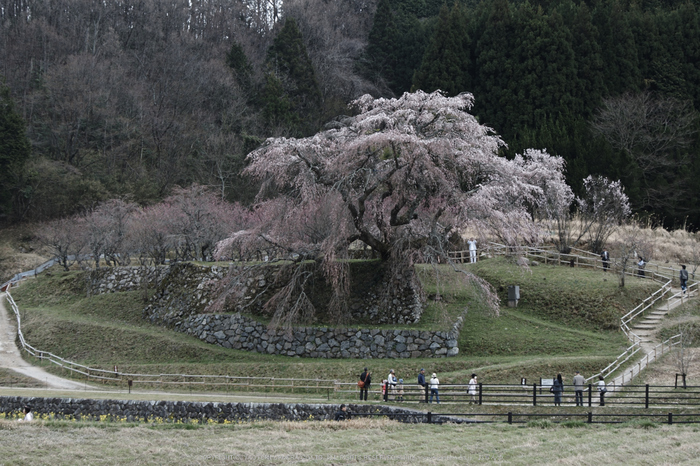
{"x": 564, "y": 322}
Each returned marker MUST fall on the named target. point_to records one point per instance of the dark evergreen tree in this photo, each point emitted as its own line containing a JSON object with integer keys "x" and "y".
{"x": 394, "y": 48}
{"x": 236, "y": 59}
{"x": 683, "y": 31}
{"x": 618, "y": 49}
{"x": 496, "y": 86}
{"x": 410, "y": 42}
{"x": 545, "y": 68}
{"x": 377, "y": 63}
{"x": 277, "y": 109}
{"x": 14, "y": 151}
{"x": 289, "y": 66}
{"x": 589, "y": 88}
{"x": 446, "y": 63}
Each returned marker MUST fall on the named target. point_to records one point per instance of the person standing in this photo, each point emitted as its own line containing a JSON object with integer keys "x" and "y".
{"x": 399, "y": 391}
{"x": 558, "y": 389}
{"x": 471, "y": 390}
{"x": 423, "y": 385}
{"x": 434, "y": 384}
{"x": 579, "y": 382}
{"x": 640, "y": 267}
{"x": 605, "y": 256}
{"x": 391, "y": 384}
{"x": 472, "y": 250}
{"x": 366, "y": 379}
{"x": 602, "y": 390}
{"x": 684, "y": 279}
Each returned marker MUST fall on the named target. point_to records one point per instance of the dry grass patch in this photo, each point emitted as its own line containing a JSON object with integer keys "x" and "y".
{"x": 361, "y": 441}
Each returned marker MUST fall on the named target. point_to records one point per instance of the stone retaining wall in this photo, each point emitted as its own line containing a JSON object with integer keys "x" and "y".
{"x": 240, "y": 332}
{"x": 114, "y": 279}
{"x": 181, "y": 411}
{"x": 185, "y": 289}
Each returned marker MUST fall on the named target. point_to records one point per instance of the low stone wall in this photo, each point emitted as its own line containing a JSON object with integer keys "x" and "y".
{"x": 114, "y": 279}
{"x": 181, "y": 411}
{"x": 240, "y": 332}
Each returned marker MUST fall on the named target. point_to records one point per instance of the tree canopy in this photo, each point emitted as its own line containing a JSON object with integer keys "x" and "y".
{"x": 14, "y": 150}
{"x": 400, "y": 177}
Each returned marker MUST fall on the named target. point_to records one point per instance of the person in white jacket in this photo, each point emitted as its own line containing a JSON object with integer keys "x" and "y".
{"x": 472, "y": 250}
{"x": 28, "y": 416}
{"x": 434, "y": 384}
{"x": 391, "y": 384}
{"x": 602, "y": 390}
{"x": 472, "y": 389}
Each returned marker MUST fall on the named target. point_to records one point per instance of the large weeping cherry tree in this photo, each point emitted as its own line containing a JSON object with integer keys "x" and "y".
{"x": 401, "y": 177}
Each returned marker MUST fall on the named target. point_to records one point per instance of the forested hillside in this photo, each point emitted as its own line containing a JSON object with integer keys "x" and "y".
{"x": 131, "y": 98}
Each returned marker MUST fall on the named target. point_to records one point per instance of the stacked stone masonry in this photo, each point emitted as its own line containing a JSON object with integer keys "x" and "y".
{"x": 114, "y": 279}
{"x": 241, "y": 332}
{"x": 184, "y": 291}
{"x": 181, "y": 411}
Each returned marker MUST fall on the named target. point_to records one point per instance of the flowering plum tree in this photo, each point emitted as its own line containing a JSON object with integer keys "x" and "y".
{"x": 400, "y": 176}
{"x": 64, "y": 239}
{"x": 199, "y": 219}
{"x": 603, "y": 207}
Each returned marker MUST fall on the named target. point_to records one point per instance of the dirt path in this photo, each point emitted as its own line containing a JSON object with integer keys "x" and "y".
{"x": 10, "y": 357}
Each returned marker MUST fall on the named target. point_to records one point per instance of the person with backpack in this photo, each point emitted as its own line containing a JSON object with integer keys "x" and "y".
{"x": 363, "y": 384}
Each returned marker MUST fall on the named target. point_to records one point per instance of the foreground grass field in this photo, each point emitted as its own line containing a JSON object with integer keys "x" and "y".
{"x": 358, "y": 441}
{"x": 565, "y": 321}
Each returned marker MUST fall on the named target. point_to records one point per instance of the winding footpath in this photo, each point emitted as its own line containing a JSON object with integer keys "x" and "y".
{"x": 646, "y": 329}
{"x": 10, "y": 357}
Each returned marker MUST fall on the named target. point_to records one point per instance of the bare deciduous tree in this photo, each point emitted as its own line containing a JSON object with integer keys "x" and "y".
{"x": 653, "y": 130}
{"x": 684, "y": 356}
{"x": 64, "y": 239}
{"x": 632, "y": 245}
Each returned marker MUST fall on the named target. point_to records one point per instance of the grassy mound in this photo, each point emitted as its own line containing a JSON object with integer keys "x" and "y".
{"x": 563, "y": 323}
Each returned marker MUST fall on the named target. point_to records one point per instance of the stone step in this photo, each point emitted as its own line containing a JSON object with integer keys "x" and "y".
{"x": 644, "y": 327}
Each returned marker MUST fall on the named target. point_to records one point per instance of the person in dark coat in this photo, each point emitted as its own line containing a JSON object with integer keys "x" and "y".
{"x": 421, "y": 382}
{"x": 684, "y": 279}
{"x": 606, "y": 260}
{"x": 365, "y": 377}
{"x": 558, "y": 389}
{"x": 342, "y": 414}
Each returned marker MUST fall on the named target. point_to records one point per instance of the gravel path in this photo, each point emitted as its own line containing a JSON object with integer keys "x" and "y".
{"x": 10, "y": 357}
